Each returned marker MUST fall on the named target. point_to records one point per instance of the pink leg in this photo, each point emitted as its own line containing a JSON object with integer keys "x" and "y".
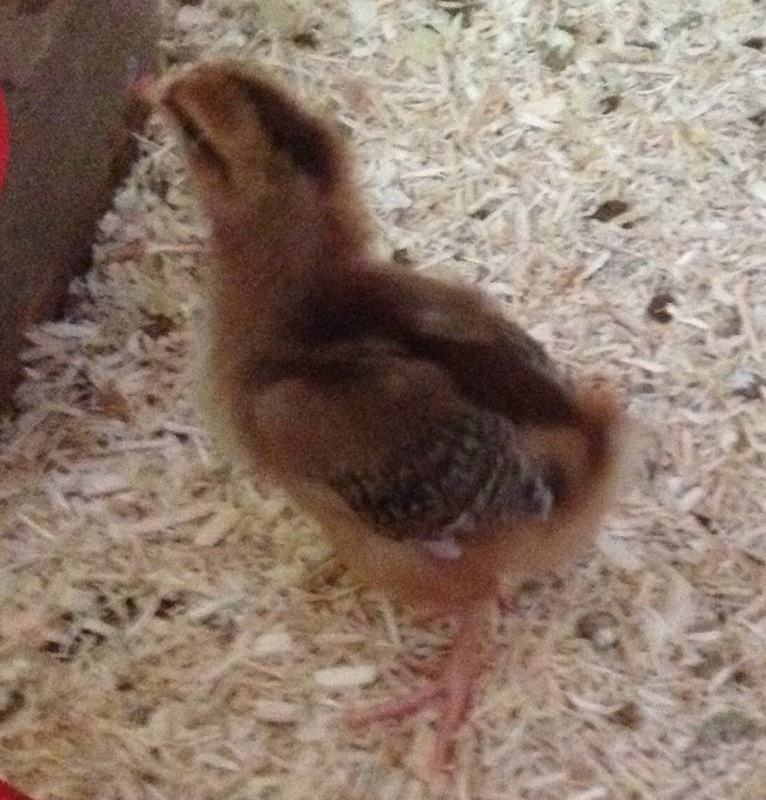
{"x": 452, "y": 691}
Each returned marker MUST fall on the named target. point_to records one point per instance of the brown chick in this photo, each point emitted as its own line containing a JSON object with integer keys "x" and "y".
{"x": 433, "y": 439}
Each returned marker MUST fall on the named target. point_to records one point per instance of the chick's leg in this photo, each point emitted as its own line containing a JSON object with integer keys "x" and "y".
{"x": 451, "y": 690}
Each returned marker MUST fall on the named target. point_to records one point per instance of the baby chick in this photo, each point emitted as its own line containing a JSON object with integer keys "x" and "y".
{"x": 432, "y": 439}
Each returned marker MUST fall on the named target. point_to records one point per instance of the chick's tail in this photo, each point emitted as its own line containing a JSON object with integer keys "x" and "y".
{"x": 590, "y": 459}
{"x": 611, "y": 437}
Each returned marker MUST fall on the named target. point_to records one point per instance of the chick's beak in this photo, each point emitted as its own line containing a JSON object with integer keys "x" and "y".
{"x": 146, "y": 89}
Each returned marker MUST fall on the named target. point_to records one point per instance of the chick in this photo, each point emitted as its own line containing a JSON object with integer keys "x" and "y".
{"x": 434, "y": 441}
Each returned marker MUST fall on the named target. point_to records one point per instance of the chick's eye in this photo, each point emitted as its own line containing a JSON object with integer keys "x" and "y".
{"x": 192, "y": 133}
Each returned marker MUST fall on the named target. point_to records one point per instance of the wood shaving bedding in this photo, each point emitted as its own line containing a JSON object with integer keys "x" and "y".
{"x": 170, "y": 629}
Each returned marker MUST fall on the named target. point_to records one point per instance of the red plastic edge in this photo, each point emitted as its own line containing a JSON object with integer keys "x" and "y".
{"x": 4, "y": 151}
{"x": 9, "y": 793}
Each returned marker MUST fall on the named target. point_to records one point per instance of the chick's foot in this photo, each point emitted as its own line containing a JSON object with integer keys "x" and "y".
{"x": 451, "y": 691}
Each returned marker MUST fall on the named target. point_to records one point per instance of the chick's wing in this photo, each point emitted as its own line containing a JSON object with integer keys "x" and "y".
{"x": 395, "y": 402}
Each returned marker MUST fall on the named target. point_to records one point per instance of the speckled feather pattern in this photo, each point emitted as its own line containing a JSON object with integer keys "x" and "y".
{"x": 458, "y": 478}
